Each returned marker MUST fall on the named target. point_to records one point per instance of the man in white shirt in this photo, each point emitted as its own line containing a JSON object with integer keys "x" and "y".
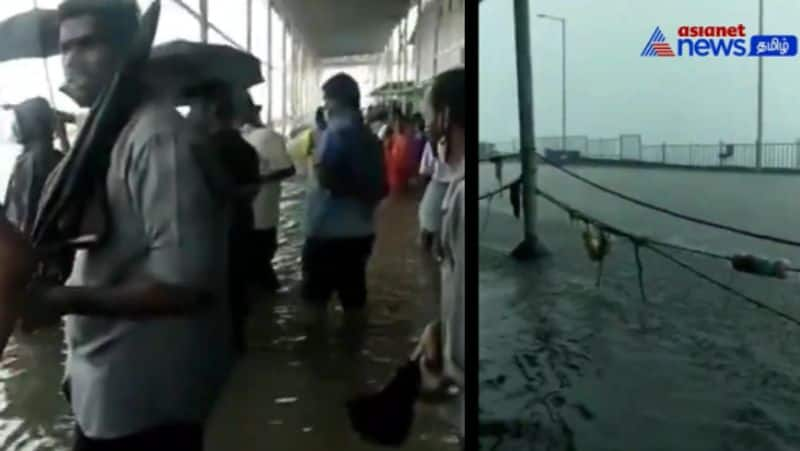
{"x": 275, "y": 166}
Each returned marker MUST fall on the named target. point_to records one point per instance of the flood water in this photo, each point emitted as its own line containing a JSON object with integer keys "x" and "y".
{"x": 288, "y": 392}
{"x": 568, "y": 365}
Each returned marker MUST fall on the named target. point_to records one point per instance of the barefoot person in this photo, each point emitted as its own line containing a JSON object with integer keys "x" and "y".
{"x": 275, "y": 165}
{"x": 340, "y": 222}
{"x": 134, "y": 381}
{"x": 213, "y": 117}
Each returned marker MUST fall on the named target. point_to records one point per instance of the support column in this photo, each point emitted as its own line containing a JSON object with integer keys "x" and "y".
{"x": 403, "y": 48}
{"x": 249, "y": 25}
{"x": 417, "y": 46}
{"x": 439, "y": 15}
{"x": 270, "y": 64}
{"x": 529, "y": 248}
{"x": 283, "y": 56}
{"x": 204, "y": 20}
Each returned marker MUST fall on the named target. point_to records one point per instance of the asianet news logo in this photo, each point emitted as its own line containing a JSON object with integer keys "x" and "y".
{"x": 719, "y": 41}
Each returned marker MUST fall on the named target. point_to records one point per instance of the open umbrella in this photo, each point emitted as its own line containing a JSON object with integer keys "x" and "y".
{"x": 72, "y": 206}
{"x": 32, "y": 34}
{"x": 177, "y": 65}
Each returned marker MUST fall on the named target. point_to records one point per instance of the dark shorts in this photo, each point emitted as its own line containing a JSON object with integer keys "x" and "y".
{"x": 336, "y": 265}
{"x": 184, "y": 437}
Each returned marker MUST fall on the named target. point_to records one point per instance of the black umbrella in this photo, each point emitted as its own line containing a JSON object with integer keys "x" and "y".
{"x": 73, "y": 205}
{"x": 178, "y": 65}
{"x": 32, "y": 34}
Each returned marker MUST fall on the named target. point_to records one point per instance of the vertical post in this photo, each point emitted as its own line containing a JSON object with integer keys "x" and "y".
{"x": 663, "y": 153}
{"x": 301, "y": 76}
{"x": 401, "y": 48}
{"x": 564, "y": 84}
{"x": 417, "y": 47}
{"x": 760, "y": 125}
{"x": 439, "y": 14}
{"x": 269, "y": 61}
{"x": 204, "y": 20}
{"x": 283, "y": 97}
{"x": 61, "y": 130}
{"x": 527, "y": 249}
{"x": 797, "y": 154}
{"x": 249, "y": 25}
{"x": 639, "y": 146}
{"x": 405, "y": 46}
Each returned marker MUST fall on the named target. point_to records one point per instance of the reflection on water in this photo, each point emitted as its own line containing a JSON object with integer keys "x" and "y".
{"x": 289, "y": 391}
{"x": 318, "y": 368}
{"x": 566, "y": 365}
{"x": 33, "y": 412}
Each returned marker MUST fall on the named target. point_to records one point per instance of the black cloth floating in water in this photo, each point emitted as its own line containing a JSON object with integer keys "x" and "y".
{"x": 385, "y": 418}
{"x": 515, "y": 194}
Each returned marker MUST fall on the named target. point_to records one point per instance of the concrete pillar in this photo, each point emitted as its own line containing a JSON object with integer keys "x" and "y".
{"x": 417, "y": 46}
{"x": 270, "y": 63}
{"x": 529, "y": 248}
{"x": 797, "y": 153}
{"x": 283, "y": 57}
{"x": 204, "y": 20}
{"x": 249, "y": 25}
{"x": 404, "y": 50}
{"x": 439, "y": 17}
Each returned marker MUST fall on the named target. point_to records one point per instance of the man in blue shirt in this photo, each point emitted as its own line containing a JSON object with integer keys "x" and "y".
{"x": 340, "y": 225}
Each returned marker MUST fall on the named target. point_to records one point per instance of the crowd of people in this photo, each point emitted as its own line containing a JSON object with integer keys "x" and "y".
{"x": 154, "y": 314}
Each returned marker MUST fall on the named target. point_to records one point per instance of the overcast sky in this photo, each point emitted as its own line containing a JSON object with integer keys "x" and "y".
{"x": 612, "y": 90}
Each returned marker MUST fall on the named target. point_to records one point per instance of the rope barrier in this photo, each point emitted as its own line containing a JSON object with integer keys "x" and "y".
{"x": 640, "y": 241}
{"x": 727, "y": 288}
{"x": 499, "y": 190}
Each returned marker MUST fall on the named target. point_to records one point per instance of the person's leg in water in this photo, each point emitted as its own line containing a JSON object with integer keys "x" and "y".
{"x": 270, "y": 243}
{"x": 263, "y": 245}
{"x": 238, "y": 283}
{"x": 178, "y": 436}
{"x": 319, "y": 263}
{"x": 351, "y": 286}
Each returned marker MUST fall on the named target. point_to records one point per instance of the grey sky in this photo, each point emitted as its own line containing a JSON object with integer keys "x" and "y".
{"x": 612, "y": 90}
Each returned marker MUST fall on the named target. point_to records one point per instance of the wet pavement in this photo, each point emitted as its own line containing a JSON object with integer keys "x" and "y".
{"x": 288, "y": 392}
{"x": 568, "y": 365}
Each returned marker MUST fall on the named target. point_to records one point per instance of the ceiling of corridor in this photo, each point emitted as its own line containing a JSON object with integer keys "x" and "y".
{"x": 336, "y": 28}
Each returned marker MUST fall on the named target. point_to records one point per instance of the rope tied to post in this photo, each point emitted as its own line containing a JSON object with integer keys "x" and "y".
{"x": 744, "y": 262}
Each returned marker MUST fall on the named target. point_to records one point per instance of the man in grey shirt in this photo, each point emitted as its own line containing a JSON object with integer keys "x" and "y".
{"x": 146, "y": 324}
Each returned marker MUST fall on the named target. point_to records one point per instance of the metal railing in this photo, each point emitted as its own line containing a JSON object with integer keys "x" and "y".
{"x": 629, "y": 148}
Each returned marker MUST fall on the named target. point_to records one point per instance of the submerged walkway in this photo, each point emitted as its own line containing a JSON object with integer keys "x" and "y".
{"x": 288, "y": 391}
